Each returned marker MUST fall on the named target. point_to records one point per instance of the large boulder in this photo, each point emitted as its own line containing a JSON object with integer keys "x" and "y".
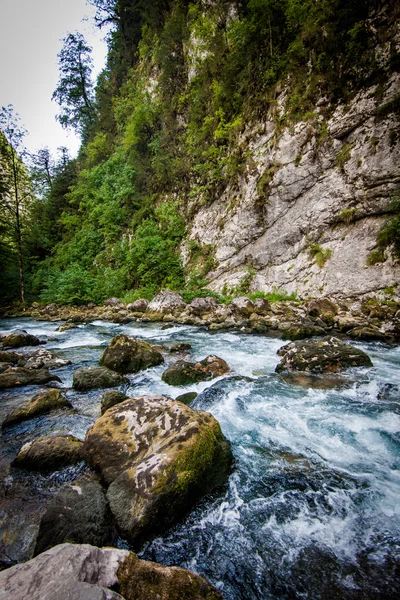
{"x": 41, "y": 404}
{"x": 78, "y": 513}
{"x": 166, "y": 303}
{"x": 301, "y": 331}
{"x": 184, "y": 372}
{"x": 84, "y": 572}
{"x": 157, "y": 456}
{"x": 111, "y": 398}
{"x": 92, "y": 378}
{"x": 20, "y": 338}
{"x": 125, "y": 354}
{"x": 49, "y": 453}
{"x": 321, "y": 355}
{"x": 323, "y": 308}
{"x": 17, "y": 376}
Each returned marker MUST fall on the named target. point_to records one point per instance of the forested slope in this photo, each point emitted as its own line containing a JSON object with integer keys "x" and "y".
{"x": 236, "y": 145}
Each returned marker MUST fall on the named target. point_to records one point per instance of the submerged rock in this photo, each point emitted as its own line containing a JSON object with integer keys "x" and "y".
{"x": 84, "y": 572}
{"x": 42, "y": 403}
{"x": 125, "y": 354}
{"x": 181, "y": 347}
{"x": 49, "y": 453}
{"x": 17, "y": 376}
{"x": 183, "y": 372}
{"x": 91, "y": 378}
{"x": 321, "y": 355}
{"x": 158, "y": 457}
{"x": 111, "y": 398}
{"x": 20, "y": 338}
{"x": 78, "y": 513}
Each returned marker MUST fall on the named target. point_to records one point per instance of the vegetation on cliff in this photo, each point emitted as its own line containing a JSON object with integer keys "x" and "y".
{"x": 161, "y": 128}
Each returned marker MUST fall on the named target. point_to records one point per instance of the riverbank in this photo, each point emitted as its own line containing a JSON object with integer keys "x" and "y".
{"x": 364, "y": 320}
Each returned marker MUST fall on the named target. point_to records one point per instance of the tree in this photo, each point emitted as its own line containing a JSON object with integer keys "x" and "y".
{"x": 15, "y": 189}
{"x": 74, "y": 92}
{"x": 42, "y": 170}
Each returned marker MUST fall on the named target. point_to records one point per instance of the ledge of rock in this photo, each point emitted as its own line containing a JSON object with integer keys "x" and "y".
{"x": 183, "y": 372}
{"x": 17, "y": 376}
{"x": 158, "y": 457}
{"x": 42, "y": 403}
{"x": 92, "y": 378}
{"x": 321, "y": 355}
{"x": 72, "y": 571}
{"x": 78, "y": 513}
{"x": 49, "y": 453}
{"x": 125, "y": 354}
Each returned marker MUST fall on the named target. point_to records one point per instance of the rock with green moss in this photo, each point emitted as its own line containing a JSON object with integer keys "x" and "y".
{"x": 20, "y": 338}
{"x": 157, "y": 457}
{"x": 111, "y": 398}
{"x": 92, "y": 378}
{"x": 40, "y": 404}
{"x": 49, "y": 453}
{"x": 187, "y": 398}
{"x": 302, "y": 331}
{"x": 72, "y": 571}
{"x": 184, "y": 372}
{"x": 18, "y": 376}
{"x": 125, "y": 354}
{"x": 321, "y": 355}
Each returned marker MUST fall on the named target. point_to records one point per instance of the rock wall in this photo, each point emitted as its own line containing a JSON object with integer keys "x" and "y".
{"x": 294, "y": 192}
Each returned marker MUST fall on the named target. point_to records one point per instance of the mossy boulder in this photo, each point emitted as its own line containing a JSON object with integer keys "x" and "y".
{"x": 187, "y": 398}
{"x": 18, "y": 376}
{"x": 302, "y": 331}
{"x": 85, "y": 572}
{"x": 368, "y": 334}
{"x": 9, "y": 357}
{"x": 184, "y": 372}
{"x": 49, "y": 453}
{"x": 92, "y": 378}
{"x": 321, "y": 355}
{"x": 125, "y": 354}
{"x": 78, "y": 513}
{"x": 158, "y": 457}
{"x": 323, "y": 308}
{"x": 41, "y": 404}
{"x": 20, "y": 338}
{"x": 111, "y": 398}
{"x": 42, "y": 359}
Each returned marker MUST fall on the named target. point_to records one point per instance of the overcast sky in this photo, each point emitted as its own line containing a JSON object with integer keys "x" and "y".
{"x": 30, "y": 39}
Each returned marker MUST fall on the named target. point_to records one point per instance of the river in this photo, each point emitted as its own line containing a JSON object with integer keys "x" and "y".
{"x": 312, "y": 507}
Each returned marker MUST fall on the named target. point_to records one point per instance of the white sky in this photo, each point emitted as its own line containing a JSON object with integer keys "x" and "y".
{"x": 30, "y": 39}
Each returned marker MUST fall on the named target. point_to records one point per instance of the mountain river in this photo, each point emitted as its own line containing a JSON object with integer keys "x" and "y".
{"x": 312, "y": 507}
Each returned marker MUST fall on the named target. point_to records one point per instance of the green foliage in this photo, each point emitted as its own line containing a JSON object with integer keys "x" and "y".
{"x": 275, "y": 296}
{"x": 388, "y": 236}
{"x": 318, "y": 254}
{"x": 344, "y": 156}
{"x": 392, "y": 105}
{"x": 347, "y": 216}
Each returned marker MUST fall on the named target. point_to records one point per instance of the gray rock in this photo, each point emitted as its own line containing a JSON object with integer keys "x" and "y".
{"x": 201, "y": 306}
{"x": 84, "y": 572}
{"x": 91, "y": 378}
{"x": 242, "y": 306}
{"x": 17, "y": 376}
{"x": 79, "y": 514}
{"x": 139, "y": 305}
{"x": 166, "y": 303}
{"x": 187, "y": 398}
{"x": 42, "y": 359}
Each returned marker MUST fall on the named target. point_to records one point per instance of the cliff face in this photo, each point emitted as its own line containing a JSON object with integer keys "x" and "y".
{"x": 311, "y": 192}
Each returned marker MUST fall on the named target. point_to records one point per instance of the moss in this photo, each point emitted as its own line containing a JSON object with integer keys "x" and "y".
{"x": 392, "y": 105}
{"x": 347, "y": 215}
{"x": 374, "y": 141}
{"x": 320, "y": 256}
{"x": 344, "y": 156}
{"x": 376, "y": 256}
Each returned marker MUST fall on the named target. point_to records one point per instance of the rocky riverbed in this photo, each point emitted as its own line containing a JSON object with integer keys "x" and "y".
{"x": 309, "y": 506}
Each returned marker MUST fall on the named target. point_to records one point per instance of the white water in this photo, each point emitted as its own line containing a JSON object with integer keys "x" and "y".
{"x": 312, "y": 508}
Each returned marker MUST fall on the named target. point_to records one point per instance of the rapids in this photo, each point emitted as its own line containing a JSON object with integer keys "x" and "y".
{"x": 312, "y": 507}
